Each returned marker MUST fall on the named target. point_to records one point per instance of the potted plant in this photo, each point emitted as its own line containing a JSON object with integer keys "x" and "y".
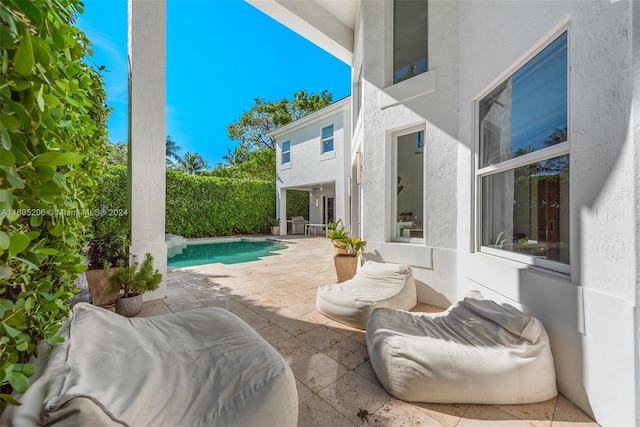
{"x": 130, "y": 283}
{"x": 274, "y": 223}
{"x": 347, "y": 250}
{"x": 108, "y": 246}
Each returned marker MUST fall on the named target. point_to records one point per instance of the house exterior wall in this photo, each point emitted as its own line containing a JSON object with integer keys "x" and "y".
{"x": 591, "y": 314}
{"x": 309, "y": 167}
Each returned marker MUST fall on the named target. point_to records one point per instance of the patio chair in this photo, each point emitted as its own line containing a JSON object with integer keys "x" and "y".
{"x": 203, "y": 367}
{"x": 374, "y": 285}
{"x": 476, "y": 352}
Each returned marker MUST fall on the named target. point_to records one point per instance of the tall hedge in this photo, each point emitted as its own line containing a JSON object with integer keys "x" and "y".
{"x": 53, "y": 139}
{"x": 199, "y": 206}
{"x": 297, "y": 203}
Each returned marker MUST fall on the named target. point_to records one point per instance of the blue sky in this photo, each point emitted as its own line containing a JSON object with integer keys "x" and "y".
{"x": 221, "y": 54}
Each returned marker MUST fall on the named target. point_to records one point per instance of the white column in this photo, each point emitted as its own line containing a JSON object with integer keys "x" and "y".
{"x": 147, "y": 133}
{"x": 282, "y": 211}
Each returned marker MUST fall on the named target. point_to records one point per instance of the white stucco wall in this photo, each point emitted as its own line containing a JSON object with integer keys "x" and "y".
{"x": 591, "y": 315}
{"x": 309, "y": 167}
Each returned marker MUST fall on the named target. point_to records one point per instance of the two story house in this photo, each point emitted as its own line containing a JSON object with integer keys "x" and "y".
{"x": 313, "y": 155}
{"x": 494, "y": 146}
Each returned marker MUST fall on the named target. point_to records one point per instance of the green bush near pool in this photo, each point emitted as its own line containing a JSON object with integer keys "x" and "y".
{"x": 199, "y": 206}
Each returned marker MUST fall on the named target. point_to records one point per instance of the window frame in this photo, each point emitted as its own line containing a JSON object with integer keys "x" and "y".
{"x": 331, "y": 138}
{"x": 283, "y": 152}
{"x": 393, "y": 46}
{"x": 511, "y": 164}
{"x": 393, "y": 183}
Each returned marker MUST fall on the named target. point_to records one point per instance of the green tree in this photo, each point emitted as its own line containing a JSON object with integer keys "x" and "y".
{"x": 253, "y": 126}
{"x": 193, "y": 163}
{"x": 235, "y": 157}
{"x": 118, "y": 154}
{"x": 172, "y": 149}
{"x": 259, "y": 165}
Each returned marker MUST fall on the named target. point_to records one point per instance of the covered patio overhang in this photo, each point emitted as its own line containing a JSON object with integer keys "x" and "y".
{"x": 322, "y": 206}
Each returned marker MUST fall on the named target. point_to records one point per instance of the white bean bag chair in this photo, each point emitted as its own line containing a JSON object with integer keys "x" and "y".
{"x": 374, "y": 285}
{"x": 475, "y": 352}
{"x": 203, "y": 367}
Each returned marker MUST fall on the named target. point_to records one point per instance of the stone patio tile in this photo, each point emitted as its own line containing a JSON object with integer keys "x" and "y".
{"x": 539, "y": 414}
{"x": 366, "y": 371}
{"x": 318, "y": 371}
{"x": 317, "y": 412}
{"x": 321, "y": 337}
{"x": 304, "y": 392}
{"x": 315, "y": 317}
{"x": 154, "y": 308}
{"x": 274, "y": 334}
{"x": 294, "y": 326}
{"x": 340, "y": 328}
{"x": 396, "y": 413}
{"x": 349, "y": 352}
{"x": 490, "y": 416}
{"x": 293, "y": 350}
{"x": 351, "y": 395}
{"x": 568, "y": 415}
{"x": 302, "y": 307}
{"x": 448, "y": 415}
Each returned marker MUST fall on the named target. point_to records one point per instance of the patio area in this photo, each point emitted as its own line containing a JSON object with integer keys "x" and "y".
{"x": 336, "y": 384}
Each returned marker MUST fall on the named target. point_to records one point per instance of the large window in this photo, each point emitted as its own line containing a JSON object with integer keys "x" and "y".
{"x": 524, "y": 162}
{"x": 408, "y": 186}
{"x": 409, "y": 39}
{"x": 286, "y": 152}
{"x": 327, "y": 139}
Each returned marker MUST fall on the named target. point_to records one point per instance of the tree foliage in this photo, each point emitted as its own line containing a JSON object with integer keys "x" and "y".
{"x": 260, "y": 165}
{"x": 53, "y": 142}
{"x": 192, "y": 163}
{"x": 253, "y": 126}
{"x": 172, "y": 153}
{"x": 117, "y": 153}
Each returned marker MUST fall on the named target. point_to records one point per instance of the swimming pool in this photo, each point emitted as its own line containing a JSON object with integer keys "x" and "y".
{"x": 229, "y": 252}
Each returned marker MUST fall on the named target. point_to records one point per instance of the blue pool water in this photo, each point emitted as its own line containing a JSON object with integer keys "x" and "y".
{"x": 225, "y": 252}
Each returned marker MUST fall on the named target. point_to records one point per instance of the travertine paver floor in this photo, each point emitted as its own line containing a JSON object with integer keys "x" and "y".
{"x": 335, "y": 381}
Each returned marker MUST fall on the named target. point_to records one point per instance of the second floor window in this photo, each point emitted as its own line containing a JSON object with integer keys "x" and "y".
{"x": 327, "y": 139}
{"x": 409, "y": 39}
{"x": 286, "y": 152}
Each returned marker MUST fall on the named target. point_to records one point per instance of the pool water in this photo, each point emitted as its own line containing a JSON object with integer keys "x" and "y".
{"x": 233, "y": 252}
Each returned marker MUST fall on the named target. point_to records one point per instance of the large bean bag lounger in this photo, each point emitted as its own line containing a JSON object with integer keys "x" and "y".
{"x": 374, "y": 285}
{"x": 475, "y": 352}
{"x": 203, "y": 367}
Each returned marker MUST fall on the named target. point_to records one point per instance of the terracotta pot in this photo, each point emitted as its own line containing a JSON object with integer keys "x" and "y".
{"x": 346, "y": 266}
{"x": 98, "y": 283}
{"x": 129, "y": 306}
{"x": 337, "y": 250}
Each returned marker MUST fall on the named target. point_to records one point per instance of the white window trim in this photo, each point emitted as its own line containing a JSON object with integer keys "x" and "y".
{"x": 391, "y": 182}
{"x": 535, "y": 157}
{"x": 332, "y": 138}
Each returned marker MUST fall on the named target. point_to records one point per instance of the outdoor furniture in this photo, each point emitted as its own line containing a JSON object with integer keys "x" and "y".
{"x": 313, "y": 228}
{"x": 475, "y": 352}
{"x": 374, "y": 285}
{"x": 203, "y": 367}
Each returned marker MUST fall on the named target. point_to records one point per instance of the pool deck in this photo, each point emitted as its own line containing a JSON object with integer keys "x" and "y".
{"x": 336, "y": 384}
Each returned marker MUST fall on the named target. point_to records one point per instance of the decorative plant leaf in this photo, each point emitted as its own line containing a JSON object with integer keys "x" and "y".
{"x": 24, "y": 60}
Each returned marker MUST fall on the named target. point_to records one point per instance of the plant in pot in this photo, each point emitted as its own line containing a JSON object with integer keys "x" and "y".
{"x": 130, "y": 283}
{"x": 347, "y": 250}
{"x": 274, "y": 223}
{"x": 108, "y": 246}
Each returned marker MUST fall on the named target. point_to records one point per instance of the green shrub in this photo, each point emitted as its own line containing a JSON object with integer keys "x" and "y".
{"x": 197, "y": 206}
{"x": 297, "y": 203}
{"x": 53, "y": 142}
{"x": 201, "y": 206}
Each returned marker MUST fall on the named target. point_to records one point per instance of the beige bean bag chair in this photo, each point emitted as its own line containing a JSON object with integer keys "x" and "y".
{"x": 374, "y": 285}
{"x": 475, "y": 352}
{"x": 203, "y": 367}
